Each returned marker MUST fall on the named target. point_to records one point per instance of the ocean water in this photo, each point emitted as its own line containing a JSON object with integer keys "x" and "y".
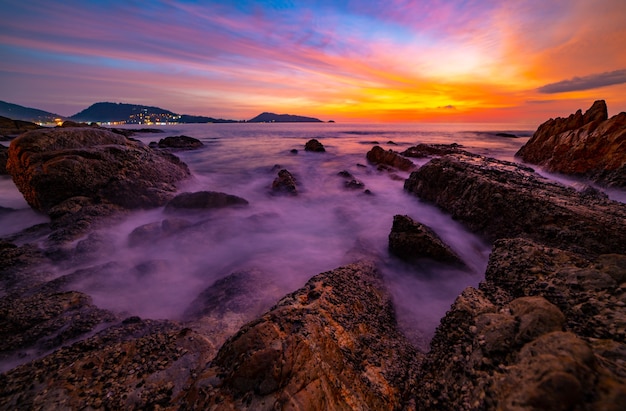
{"x": 289, "y": 239}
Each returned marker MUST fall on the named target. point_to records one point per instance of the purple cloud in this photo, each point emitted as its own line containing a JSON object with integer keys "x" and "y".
{"x": 586, "y": 82}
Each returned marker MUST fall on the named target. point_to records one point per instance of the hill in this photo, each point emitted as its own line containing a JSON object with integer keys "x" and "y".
{"x": 17, "y": 112}
{"x": 282, "y": 118}
{"x": 186, "y": 118}
{"x": 116, "y": 112}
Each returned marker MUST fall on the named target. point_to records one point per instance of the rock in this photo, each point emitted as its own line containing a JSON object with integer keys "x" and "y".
{"x": 507, "y": 135}
{"x": 203, "y": 200}
{"x": 431, "y": 150}
{"x": 502, "y": 200}
{"x": 178, "y": 143}
{"x": 151, "y": 232}
{"x": 588, "y": 145}
{"x": 315, "y": 146}
{"x": 11, "y": 128}
{"x": 354, "y": 184}
{"x": 332, "y": 344}
{"x": 4, "y": 156}
{"x": 293, "y": 151}
{"x": 74, "y": 124}
{"x": 412, "y": 240}
{"x": 285, "y": 183}
{"x": 379, "y": 156}
{"x": 50, "y": 166}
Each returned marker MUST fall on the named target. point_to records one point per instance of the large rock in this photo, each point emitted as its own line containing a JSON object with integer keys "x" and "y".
{"x": 285, "y": 183}
{"x": 500, "y": 200}
{"x": 412, "y": 240}
{"x": 588, "y": 145}
{"x": 315, "y": 146}
{"x": 389, "y": 158}
{"x": 178, "y": 143}
{"x": 10, "y": 128}
{"x": 332, "y": 344}
{"x": 50, "y": 166}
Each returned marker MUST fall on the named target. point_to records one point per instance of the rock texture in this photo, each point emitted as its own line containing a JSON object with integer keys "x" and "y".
{"x": 501, "y": 200}
{"x": 178, "y": 143}
{"x": 51, "y": 166}
{"x": 588, "y": 145}
{"x": 4, "y": 156}
{"x": 389, "y": 158}
{"x": 331, "y": 345}
{"x": 11, "y": 128}
{"x": 285, "y": 183}
{"x": 412, "y": 240}
{"x": 433, "y": 150}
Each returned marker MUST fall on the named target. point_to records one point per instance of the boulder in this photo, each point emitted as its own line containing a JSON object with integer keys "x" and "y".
{"x": 588, "y": 145}
{"x": 178, "y": 143}
{"x": 203, "y": 200}
{"x": 431, "y": 150}
{"x": 332, "y": 344}
{"x": 11, "y": 128}
{"x": 50, "y": 166}
{"x": 285, "y": 183}
{"x": 412, "y": 240}
{"x": 501, "y": 200}
{"x": 389, "y": 158}
{"x": 74, "y": 124}
{"x": 315, "y": 146}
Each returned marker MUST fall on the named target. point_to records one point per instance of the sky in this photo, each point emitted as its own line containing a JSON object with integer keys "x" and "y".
{"x": 521, "y": 61}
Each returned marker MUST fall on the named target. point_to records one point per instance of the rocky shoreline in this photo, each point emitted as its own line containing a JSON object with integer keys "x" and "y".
{"x": 544, "y": 330}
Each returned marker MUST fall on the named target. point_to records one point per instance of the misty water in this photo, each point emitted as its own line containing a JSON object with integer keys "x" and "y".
{"x": 289, "y": 239}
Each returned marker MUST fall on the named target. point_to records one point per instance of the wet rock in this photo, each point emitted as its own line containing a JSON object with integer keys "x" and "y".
{"x": 501, "y": 200}
{"x": 285, "y": 183}
{"x": 431, "y": 150}
{"x": 4, "y": 156}
{"x": 345, "y": 174}
{"x": 412, "y": 240}
{"x": 315, "y": 146}
{"x": 333, "y": 344}
{"x": 203, "y": 200}
{"x": 178, "y": 143}
{"x": 51, "y": 166}
{"x": 589, "y": 145}
{"x": 156, "y": 231}
{"x": 379, "y": 156}
{"x": 354, "y": 184}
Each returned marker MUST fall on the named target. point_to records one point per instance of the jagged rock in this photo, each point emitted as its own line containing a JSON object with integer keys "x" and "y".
{"x": 53, "y": 165}
{"x": 354, "y": 184}
{"x": 285, "y": 183}
{"x": 203, "y": 200}
{"x": 178, "y": 143}
{"x": 4, "y": 156}
{"x": 315, "y": 146}
{"x": 588, "y": 145}
{"x": 500, "y": 199}
{"x": 429, "y": 150}
{"x": 379, "y": 156}
{"x": 412, "y": 240}
{"x": 332, "y": 345}
{"x": 74, "y": 124}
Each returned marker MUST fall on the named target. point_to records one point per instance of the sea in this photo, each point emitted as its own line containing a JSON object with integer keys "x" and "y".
{"x": 289, "y": 238}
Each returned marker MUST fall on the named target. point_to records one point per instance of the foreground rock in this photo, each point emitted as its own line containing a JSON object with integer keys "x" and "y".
{"x": 331, "y": 345}
{"x": 379, "y": 156}
{"x": 545, "y": 331}
{"x": 412, "y": 240}
{"x": 588, "y": 145}
{"x": 501, "y": 200}
{"x": 51, "y": 166}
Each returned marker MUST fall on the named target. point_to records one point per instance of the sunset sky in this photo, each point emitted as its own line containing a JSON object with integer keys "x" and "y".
{"x": 394, "y": 60}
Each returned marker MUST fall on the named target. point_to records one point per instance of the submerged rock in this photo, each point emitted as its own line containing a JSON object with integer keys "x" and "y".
{"x": 156, "y": 231}
{"x": 178, "y": 143}
{"x": 51, "y": 166}
{"x": 589, "y": 145}
{"x": 379, "y": 156}
{"x": 315, "y": 146}
{"x": 285, "y": 183}
{"x": 332, "y": 345}
{"x": 412, "y": 240}
{"x": 203, "y": 200}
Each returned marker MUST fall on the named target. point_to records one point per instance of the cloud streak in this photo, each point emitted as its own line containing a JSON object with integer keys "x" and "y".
{"x": 589, "y": 82}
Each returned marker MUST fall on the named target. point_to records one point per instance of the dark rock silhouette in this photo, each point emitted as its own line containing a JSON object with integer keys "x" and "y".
{"x": 315, "y": 146}
{"x": 285, "y": 183}
{"x": 379, "y": 156}
{"x": 178, "y": 143}
{"x": 203, "y": 200}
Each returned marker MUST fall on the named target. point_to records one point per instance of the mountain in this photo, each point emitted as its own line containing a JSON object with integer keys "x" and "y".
{"x": 116, "y": 112}
{"x": 186, "y": 118}
{"x": 283, "y": 118}
{"x": 17, "y": 112}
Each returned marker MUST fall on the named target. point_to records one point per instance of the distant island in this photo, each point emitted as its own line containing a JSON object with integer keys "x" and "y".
{"x": 123, "y": 113}
{"x": 282, "y": 118}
